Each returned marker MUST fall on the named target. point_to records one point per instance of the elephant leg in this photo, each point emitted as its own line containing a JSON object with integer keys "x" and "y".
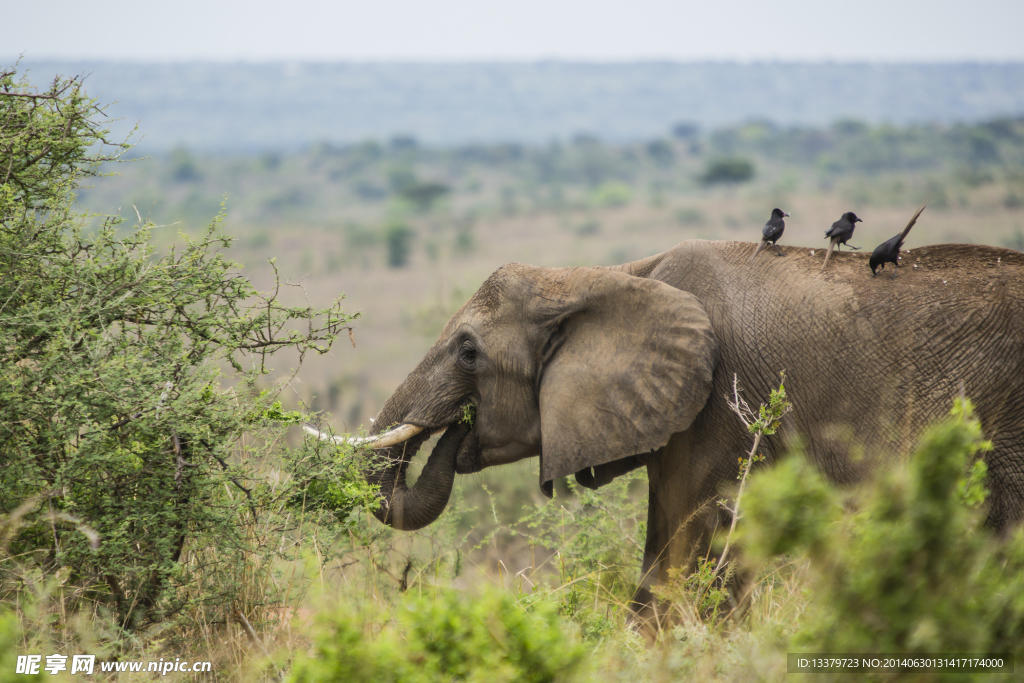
{"x": 682, "y": 518}
{"x": 687, "y": 478}
{"x": 647, "y": 611}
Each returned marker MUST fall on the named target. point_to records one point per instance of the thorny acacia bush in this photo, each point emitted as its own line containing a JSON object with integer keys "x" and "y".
{"x": 121, "y": 451}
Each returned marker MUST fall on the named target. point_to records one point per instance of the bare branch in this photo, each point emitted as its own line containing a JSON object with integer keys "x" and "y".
{"x": 30, "y": 95}
{"x": 763, "y": 421}
{"x": 739, "y": 406}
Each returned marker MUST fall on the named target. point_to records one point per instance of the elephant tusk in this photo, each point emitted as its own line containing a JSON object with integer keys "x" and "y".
{"x": 402, "y": 432}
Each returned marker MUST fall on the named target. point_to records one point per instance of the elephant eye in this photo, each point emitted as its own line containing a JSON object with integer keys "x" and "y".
{"x": 467, "y": 355}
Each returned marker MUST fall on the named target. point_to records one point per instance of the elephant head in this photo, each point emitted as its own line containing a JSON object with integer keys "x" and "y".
{"x": 581, "y": 366}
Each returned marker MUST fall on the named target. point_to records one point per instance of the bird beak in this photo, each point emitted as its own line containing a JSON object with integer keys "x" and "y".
{"x": 858, "y": 221}
{"x": 785, "y": 214}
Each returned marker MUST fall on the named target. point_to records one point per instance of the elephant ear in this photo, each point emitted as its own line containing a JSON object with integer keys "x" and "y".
{"x": 628, "y": 363}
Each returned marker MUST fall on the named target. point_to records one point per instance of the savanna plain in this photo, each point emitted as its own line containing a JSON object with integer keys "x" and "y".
{"x": 293, "y": 579}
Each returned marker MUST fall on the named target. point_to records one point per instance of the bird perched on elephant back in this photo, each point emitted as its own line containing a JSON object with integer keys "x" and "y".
{"x": 772, "y": 232}
{"x": 841, "y": 231}
{"x": 598, "y": 371}
{"x": 889, "y": 250}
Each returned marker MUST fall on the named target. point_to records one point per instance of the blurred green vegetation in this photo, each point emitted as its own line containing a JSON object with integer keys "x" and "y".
{"x": 735, "y": 170}
{"x": 904, "y": 564}
{"x": 448, "y": 637}
{"x": 398, "y": 237}
{"x": 360, "y": 189}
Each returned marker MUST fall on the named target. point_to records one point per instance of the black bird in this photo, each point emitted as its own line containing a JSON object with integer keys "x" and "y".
{"x": 841, "y": 231}
{"x": 771, "y": 232}
{"x": 889, "y": 251}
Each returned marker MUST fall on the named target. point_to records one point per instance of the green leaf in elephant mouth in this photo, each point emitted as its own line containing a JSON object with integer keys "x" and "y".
{"x": 468, "y": 413}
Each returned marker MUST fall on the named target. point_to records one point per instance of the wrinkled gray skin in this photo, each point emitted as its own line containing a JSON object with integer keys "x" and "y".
{"x": 602, "y": 370}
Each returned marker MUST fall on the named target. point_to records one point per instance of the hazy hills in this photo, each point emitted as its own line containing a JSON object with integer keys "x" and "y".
{"x": 243, "y": 107}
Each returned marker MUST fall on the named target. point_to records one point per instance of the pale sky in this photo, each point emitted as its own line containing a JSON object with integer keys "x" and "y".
{"x": 517, "y": 30}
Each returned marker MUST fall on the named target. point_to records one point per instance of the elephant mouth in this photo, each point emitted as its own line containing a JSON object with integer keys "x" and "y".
{"x": 412, "y": 507}
{"x": 467, "y": 457}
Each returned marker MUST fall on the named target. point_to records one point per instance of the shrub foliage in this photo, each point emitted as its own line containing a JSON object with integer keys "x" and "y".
{"x": 449, "y": 637}
{"x": 913, "y": 569}
{"x": 118, "y": 444}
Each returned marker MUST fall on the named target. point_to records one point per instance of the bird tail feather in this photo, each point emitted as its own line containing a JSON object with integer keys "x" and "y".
{"x": 761, "y": 246}
{"x": 828, "y": 254}
{"x": 913, "y": 220}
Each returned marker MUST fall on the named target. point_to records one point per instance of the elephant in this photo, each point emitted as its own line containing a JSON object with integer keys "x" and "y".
{"x": 601, "y": 370}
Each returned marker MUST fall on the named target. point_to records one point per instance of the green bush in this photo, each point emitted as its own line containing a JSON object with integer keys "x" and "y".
{"x": 913, "y": 569}
{"x": 398, "y": 237}
{"x": 789, "y": 508}
{"x": 423, "y": 195}
{"x": 727, "y": 171}
{"x": 116, "y": 431}
{"x": 448, "y": 637}
{"x": 597, "y": 537}
{"x": 611, "y": 193}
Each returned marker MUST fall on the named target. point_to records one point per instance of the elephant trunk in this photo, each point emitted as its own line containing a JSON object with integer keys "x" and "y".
{"x": 408, "y": 509}
{"x": 413, "y": 508}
